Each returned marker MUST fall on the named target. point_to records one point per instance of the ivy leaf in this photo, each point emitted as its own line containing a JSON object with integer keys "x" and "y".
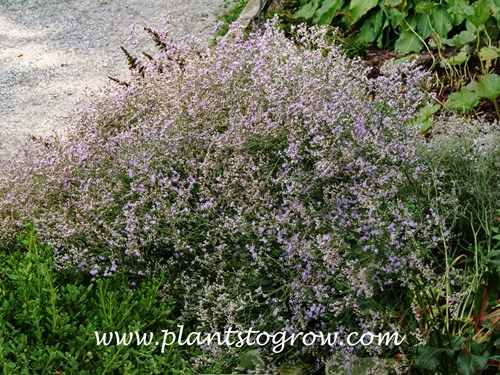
{"x": 360, "y": 7}
{"x": 408, "y": 42}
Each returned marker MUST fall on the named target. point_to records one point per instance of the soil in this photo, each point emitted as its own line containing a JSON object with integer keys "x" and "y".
{"x": 52, "y": 51}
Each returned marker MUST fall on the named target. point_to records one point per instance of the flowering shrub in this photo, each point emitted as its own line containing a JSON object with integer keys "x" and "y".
{"x": 267, "y": 177}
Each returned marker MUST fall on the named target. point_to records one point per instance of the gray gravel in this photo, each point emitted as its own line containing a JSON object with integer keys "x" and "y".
{"x": 51, "y": 51}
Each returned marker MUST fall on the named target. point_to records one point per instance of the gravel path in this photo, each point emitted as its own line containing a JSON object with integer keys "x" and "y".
{"x": 52, "y": 50}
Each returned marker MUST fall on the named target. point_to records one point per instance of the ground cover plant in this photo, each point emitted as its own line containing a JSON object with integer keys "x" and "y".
{"x": 48, "y": 319}
{"x": 279, "y": 186}
{"x": 456, "y": 39}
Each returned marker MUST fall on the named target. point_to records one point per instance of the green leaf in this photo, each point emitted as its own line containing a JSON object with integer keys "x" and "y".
{"x": 371, "y": 27}
{"x": 458, "y": 59}
{"x": 360, "y": 7}
{"x": 423, "y": 26}
{"x": 423, "y": 6}
{"x": 462, "y": 101}
{"x": 441, "y": 20}
{"x": 307, "y": 10}
{"x": 250, "y": 359}
{"x": 470, "y": 364}
{"x": 460, "y": 7}
{"x": 429, "y": 358}
{"x": 381, "y": 40}
{"x": 427, "y": 111}
{"x": 481, "y": 13}
{"x": 493, "y": 253}
{"x": 486, "y": 87}
{"x": 489, "y": 53}
{"x": 408, "y": 42}
{"x": 396, "y": 18}
{"x": 461, "y": 39}
{"x": 327, "y": 11}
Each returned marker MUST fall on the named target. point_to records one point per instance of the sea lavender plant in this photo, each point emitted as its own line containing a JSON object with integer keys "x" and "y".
{"x": 266, "y": 176}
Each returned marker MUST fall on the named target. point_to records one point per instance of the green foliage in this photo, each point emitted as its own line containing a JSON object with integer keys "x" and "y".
{"x": 415, "y": 25}
{"x": 402, "y": 25}
{"x": 485, "y": 87}
{"x": 230, "y": 16}
{"x": 458, "y": 311}
{"x": 48, "y": 322}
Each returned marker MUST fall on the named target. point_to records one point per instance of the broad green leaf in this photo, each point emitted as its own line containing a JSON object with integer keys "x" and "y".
{"x": 458, "y": 59}
{"x": 463, "y": 8}
{"x": 457, "y": 10}
{"x": 327, "y": 11}
{"x": 461, "y": 39}
{"x": 469, "y": 26}
{"x": 429, "y": 358}
{"x": 396, "y": 18}
{"x": 423, "y": 26}
{"x": 423, "y": 6}
{"x": 489, "y": 53}
{"x": 470, "y": 364}
{"x": 360, "y": 7}
{"x": 486, "y": 87}
{"x": 292, "y": 369}
{"x": 441, "y": 20}
{"x": 382, "y": 39}
{"x": 462, "y": 101}
{"x": 425, "y": 121}
{"x": 371, "y": 27}
{"x": 428, "y": 110}
{"x": 426, "y": 125}
{"x": 406, "y": 59}
{"x": 413, "y": 21}
{"x": 457, "y": 342}
{"x": 307, "y": 10}
{"x": 481, "y": 13}
{"x": 408, "y": 42}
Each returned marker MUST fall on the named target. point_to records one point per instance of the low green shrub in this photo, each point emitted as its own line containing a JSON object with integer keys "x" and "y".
{"x": 48, "y": 320}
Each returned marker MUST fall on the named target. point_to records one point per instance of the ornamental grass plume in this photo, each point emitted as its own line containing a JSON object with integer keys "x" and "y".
{"x": 268, "y": 177}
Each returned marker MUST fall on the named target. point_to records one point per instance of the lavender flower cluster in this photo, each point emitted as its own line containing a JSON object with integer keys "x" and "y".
{"x": 265, "y": 175}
